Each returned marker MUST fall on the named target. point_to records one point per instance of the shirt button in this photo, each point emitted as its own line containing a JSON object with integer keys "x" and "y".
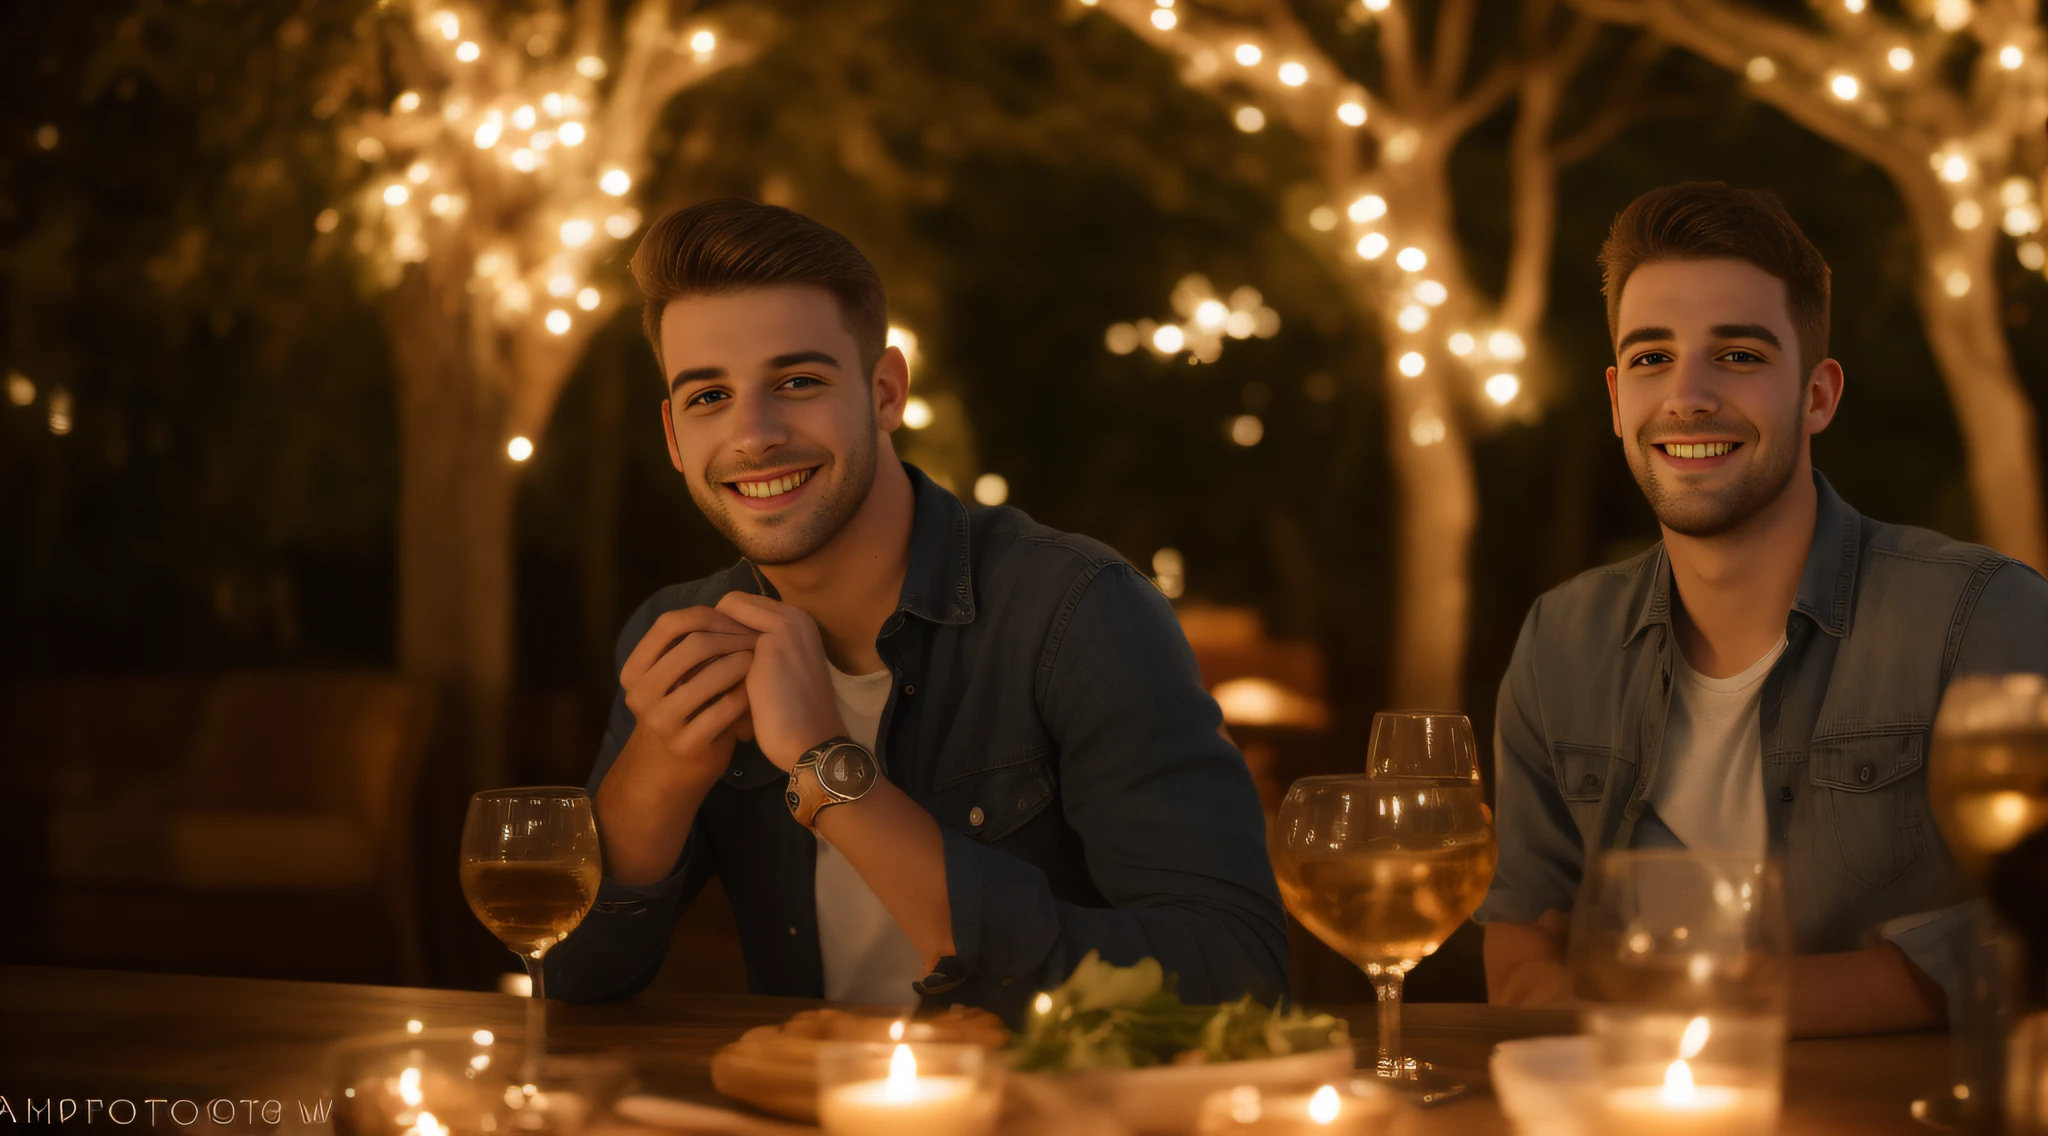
{"x": 1590, "y": 781}
{"x": 1867, "y": 772}
{"x": 910, "y": 688}
{"x": 1785, "y": 793}
{"x": 792, "y": 930}
{"x": 975, "y": 816}
{"x": 736, "y": 773}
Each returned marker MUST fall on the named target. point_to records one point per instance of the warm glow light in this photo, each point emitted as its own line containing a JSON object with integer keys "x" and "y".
{"x": 615, "y": 182}
{"x": 1322, "y": 218}
{"x": 1248, "y": 54}
{"x": 577, "y": 232}
{"x": 561, "y": 284}
{"x": 1294, "y": 74}
{"x": 591, "y": 67}
{"x": 484, "y": 1037}
{"x": 2032, "y": 255}
{"x": 1412, "y": 318}
{"x": 1246, "y": 429}
{"x": 406, "y": 102}
{"x": 1163, "y": 20}
{"x": 1967, "y": 214}
{"x": 418, "y": 172}
{"x": 525, "y": 160}
{"x": 20, "y": 390}
{"x": 1761, "y": 69}
{"x": 1506, "y": 346}
{"x": 1371, "y": 207}
{"x": 518, "y": 449}
{"x": 1412, "y": 364}
{"x": 1169, "y": 339}
{"x": 917, "y": 413}
{"x": 1372, "y": 246}
{"x": 449, "y": 24}
{"x": 1954, "y": 168}
{"x": 990, "y": 489}
{"x": 467, "y": 51}
{"x": 620, "y": 225}
{"x": 326, "y": 221}
{"x": 1956, "y": 284}
{"x": 1425, "y": 429}
{"x": 1249, "y": 119}
{"x": 1855, "y": 7}
{"x": 1432, "y": 293}
{"x": 552, "y": 104}
{"x": 1412, "y": 259}
{"x": 2010, "y": 57}
{"x": 558, "y": 321}
{"x": 414, "y": 1026}
{"x": 1351, "y": 114}
{"x": 588, "y": 299}
{"x": 1210, "y": 314}
{"x": 1462, "y": 344}
{"x": 1324, "y": 1105}
{"x": 1503, "y": 388}
{"x": 704, "y": 42}
{"x": 370, "y": 150}
{"x": 1695, "y": 1039}
{"x": 488, "y": 133}
{"x": 1952, "y": 15}
{"x": 1121, "y": 338}
{"x": 1900, "y": 58}
{"x": 1678, "y": 1091}
{"x": 571, "y": 134}
{"x": 396, "y": 194}
{"x": 1845, "y": 87}
{"x": 1170, "y": 572}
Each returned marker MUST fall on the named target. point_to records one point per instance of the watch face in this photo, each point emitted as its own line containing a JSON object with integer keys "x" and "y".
{"x": 847, "y": 771}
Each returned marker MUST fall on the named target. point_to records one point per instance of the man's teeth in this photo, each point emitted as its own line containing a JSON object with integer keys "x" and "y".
{"x": 1698, "y": 450}
{"x": 774, "y": 488}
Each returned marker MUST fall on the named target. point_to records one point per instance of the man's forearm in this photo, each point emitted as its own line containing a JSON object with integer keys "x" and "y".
{"x": 644, "y": 814}
{"x": 1874, "y": 990}
{"x": 1525, "y": 962}
{"x": 896, "y": 847}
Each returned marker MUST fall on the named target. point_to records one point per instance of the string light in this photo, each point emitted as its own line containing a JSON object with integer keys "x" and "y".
{"x": 1967, "y": 215}
{"x": 1169, "y": 571}
{"x": 1322, "y": 218}
{"x": 1426, "y": 429}
{"x": 1952, "y": 15}
{"x": 571, "y": 134}
{"x": 591, "y": 68}
{"x": 1412, "y": 259}
{"x": 1845, "y": 87}
{"x": 2032, "y": 256}
{"x": 1412, "y": 363}
{"x": 1169, "y": 339}
{"x": 21, "y": 390}
{"x": 1761, "y": 69}
{"x": 1956, "y": 283}
{"x": 917, "y": 413}
{"x": 615, "y": 182}
{"x": 396, "y": 194}
{"x": 992, "y": 488}
{"x": 1461, "y": 343}
{"x": 1432, "y": 293}
{"x": 1412, "y": 318}
{"x": 1294, "y": 74}
{"x": 558, "y": 321}
{"x": 1351, "y": 114}
{"x": 518, "y": 449}
{"x": 468, "y": 51}
{"x": 588, "y": 299}
{"x": 1370, "y": 207}
{"x": 704, "y": 42}
{"x": 1901, "y": 59}
{"x": 1372, "y": 246}
{"x": 1249, "y": 119}
{"x": 1503, "y": 388}
{"x": 1246, "y": 430}
{"x": 561, "y": 284}
{"x": 577, "y": 232}
{"x": 2010, "y": 57}
{"x": 1163, "y": 20}
{"x": 525, "y": 160}
{"x": 406, "y": 102}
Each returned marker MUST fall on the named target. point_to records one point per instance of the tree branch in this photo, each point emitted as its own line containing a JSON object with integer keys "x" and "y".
{"x": 1478, "y": 105}
{"x": 1453, "y": 47}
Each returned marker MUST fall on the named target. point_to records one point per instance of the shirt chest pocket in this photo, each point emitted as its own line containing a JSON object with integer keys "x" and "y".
{"x": 1873, "y": 793}
{"x": 989, "y": 804}
{"x": 1581, "y": 770}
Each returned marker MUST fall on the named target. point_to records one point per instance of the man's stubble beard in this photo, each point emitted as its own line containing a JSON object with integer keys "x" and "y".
{"x": 1697, "y": 513}
{"x": 786, "y": 540}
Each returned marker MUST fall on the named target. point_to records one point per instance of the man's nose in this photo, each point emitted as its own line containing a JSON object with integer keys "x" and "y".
{"x": 1694, "y": 389}
{"x": 757, "y": 424}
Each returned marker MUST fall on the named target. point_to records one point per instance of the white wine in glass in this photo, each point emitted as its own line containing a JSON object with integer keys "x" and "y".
{"x": 530, "y": 870}
{"x": 1383, "y": 866}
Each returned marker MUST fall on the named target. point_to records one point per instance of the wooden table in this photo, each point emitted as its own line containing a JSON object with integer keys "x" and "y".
{"x": 102, "y": 1035}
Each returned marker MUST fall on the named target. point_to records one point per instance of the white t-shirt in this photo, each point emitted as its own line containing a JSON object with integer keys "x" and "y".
{"x": 868, "y": 958}
{"x": 1710, "y": 777}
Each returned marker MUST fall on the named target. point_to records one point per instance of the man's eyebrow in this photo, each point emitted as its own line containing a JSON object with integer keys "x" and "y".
{"x": 1755, "y": 331}
{"x": 1641, "y": 334}
{"x": 694, "y": 375}
{"x": 796, "y": 357}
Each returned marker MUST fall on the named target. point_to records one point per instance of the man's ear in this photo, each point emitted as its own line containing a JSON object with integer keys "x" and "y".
{"x": 891, "y": 388}
{"x": 1613, "y": 404}
{"x": 1823, "y": 395}
{"x": 668, "y": 429}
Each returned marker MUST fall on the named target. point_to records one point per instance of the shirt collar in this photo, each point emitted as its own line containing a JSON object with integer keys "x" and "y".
{"x": 1825, "y": 587}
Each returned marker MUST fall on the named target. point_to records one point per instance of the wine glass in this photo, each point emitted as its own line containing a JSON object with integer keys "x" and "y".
{"x": 1384, "y": 865}
{"x": 530, "y": 870}
{"x": 1987, "y": 785}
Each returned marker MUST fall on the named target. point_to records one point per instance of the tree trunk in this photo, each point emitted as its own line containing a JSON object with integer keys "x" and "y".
{"x": 1967, "y": 335}
{"x": 1435, "y": 506}
{"x": 454, "y": 523}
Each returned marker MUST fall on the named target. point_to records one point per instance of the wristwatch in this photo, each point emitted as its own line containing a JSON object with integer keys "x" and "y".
{"x": 832, "y": 772}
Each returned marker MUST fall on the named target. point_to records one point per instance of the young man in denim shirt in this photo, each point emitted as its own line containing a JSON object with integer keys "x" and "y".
{"x": 929, "y": 751}
{"x": 1765, "y": 679}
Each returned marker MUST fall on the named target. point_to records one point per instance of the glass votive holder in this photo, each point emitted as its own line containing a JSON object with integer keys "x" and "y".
{"x": 1354, "y": 1107}
{"x": 456, "y": 1082}
{"x": 893, "y": 1088}
{"x": 1681, "y": 963}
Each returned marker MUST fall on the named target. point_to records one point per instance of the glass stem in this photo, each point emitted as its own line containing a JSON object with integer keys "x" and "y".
{"x": 1387, "y": 986}
{"x": 536, "y": 1018}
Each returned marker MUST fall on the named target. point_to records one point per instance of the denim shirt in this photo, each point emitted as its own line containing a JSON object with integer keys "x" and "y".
{"x": 1884, "y": 617}
{"x": 1047, "y": 712}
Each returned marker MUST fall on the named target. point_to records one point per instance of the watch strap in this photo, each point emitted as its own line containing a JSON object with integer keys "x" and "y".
{"x": 809, "y": 793}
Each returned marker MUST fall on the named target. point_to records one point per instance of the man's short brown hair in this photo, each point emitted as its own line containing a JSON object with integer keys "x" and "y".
{"x": 730, "y": 244}
{"x": 1708, "y": 220}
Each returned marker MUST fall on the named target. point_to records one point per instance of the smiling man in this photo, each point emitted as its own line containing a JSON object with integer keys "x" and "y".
{"x": 930, "y": 751}
{"x": 1765, "y": 679}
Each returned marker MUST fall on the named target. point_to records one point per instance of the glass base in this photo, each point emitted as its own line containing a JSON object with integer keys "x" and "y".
{"x": 1419, "y": 1082}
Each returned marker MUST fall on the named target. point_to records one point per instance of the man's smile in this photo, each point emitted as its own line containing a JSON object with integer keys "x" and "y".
{"x": 1696, "y": 454}
{"x": 772, "y": 491}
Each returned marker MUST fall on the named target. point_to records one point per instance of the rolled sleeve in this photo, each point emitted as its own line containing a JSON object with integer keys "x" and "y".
{"x": 1541, "y": 855}
{"x": 1168, "y": 817}
{"x": 1940, "y": 943}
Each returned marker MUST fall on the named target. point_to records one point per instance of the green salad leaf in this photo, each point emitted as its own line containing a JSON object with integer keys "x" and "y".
{"x": 1130, "y": 1017}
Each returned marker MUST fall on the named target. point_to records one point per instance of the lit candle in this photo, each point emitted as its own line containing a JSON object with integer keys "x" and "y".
{"x": 905, "y": 1102}
{"x": 1679, "y": 1107}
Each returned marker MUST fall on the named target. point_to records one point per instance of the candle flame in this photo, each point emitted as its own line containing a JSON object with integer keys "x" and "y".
{"x": 902, "y": 1066}
{"x": 409, "y": 1087}
{"x": 1695, "y": 1038}
{"x": 1323, "y": 1107}
{"x": 1678, "y": 1088}
{"x": 896, "y": 1030}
